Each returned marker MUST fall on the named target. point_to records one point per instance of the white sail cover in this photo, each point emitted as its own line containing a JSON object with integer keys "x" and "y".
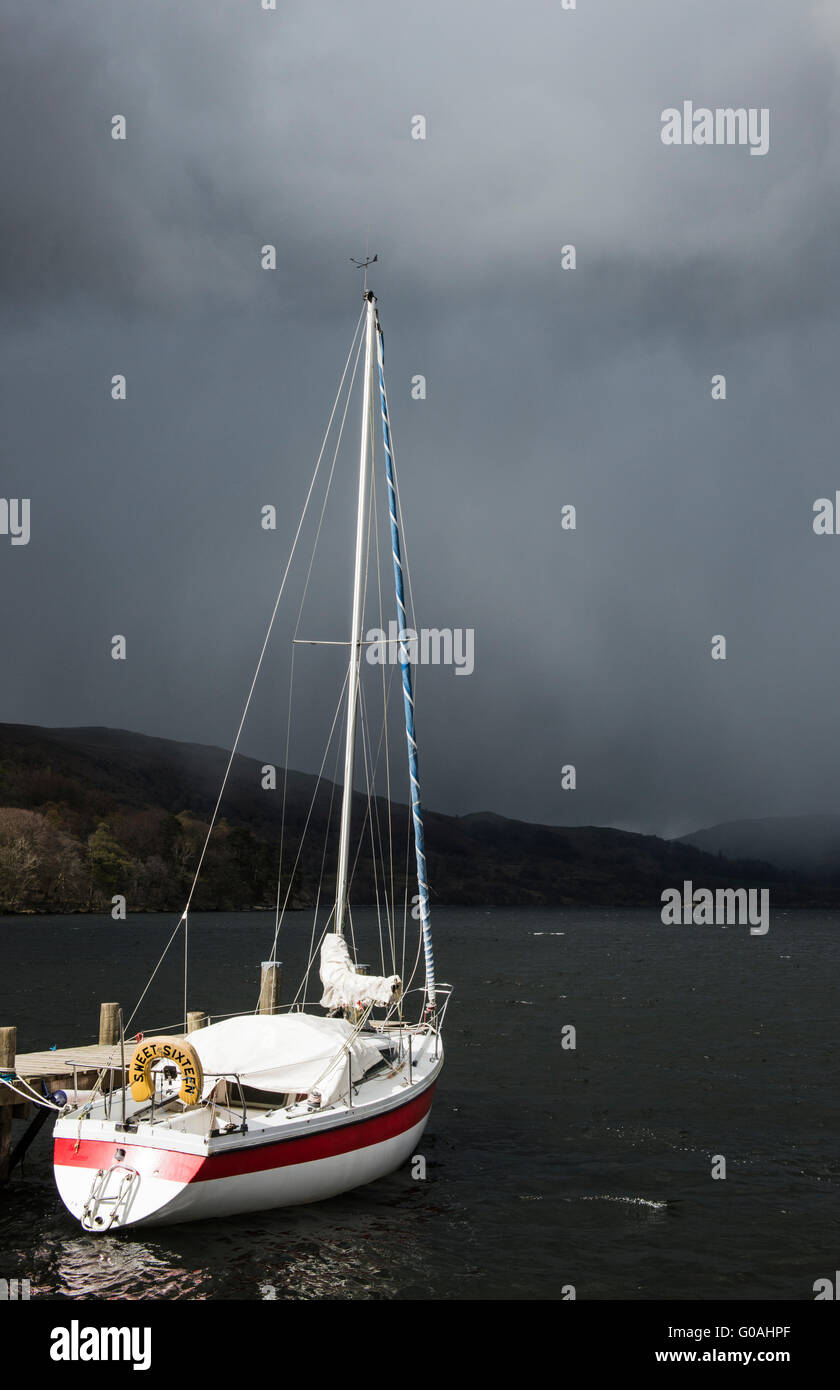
{"x": 344, "y": 988}
{"x": 288, "y": 1053}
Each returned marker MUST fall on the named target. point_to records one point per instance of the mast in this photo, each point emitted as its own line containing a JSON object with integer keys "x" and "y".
{"x": 355, "y": 629}
{"x": 405, "y": 666}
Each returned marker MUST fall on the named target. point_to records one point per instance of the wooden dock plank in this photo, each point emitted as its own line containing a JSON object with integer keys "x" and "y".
{"x": 88, "y": 1057}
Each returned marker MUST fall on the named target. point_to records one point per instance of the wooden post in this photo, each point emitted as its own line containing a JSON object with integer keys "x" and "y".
{"x": 362, "y": 968}
{"x": 196, "y": 1019}
{"x": 272, "y": 975}
{"x": 8, "y": 1048}
{"x": 109, "y": 1024}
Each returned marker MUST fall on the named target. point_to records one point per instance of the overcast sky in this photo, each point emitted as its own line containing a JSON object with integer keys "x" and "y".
{"x": 546, "y": 387}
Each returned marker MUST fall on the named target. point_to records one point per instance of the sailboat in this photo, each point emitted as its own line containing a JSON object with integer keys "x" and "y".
{"x": 264, "y": 1110}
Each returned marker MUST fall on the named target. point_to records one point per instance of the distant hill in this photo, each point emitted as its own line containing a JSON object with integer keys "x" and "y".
{"x": 88, "y": 813}
{"x": 806, "y": 845}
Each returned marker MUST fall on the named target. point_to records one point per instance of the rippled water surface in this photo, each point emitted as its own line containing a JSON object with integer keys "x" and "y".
{"x": 546, "y": 1166}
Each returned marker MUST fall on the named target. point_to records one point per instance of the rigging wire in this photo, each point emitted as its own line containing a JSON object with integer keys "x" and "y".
{"x": 368, "y": 821}
{"x": 385, "y": 691}
{"x": 328, "y": 827}
{"x": 395, "y": 509}
{"x": 185, "y": 916}
{"x": 309, "y": 816}
{"x": 297, "y": 630}
{"x": 370, "y": 782}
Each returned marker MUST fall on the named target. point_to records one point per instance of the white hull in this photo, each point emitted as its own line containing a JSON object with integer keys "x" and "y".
{"x": 162, "y": 1173}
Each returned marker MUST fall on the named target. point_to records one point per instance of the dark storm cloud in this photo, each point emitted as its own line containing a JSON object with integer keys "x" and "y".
{"x": 545, "y": 387}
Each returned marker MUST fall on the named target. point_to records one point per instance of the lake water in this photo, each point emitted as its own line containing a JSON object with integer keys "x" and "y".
{"x": 545, "y": 1166}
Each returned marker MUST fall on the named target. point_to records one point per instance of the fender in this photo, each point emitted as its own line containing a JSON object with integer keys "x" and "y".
{"x": 168, "y": 1050}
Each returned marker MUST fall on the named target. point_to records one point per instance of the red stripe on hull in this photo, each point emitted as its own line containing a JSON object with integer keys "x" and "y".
{"x": 187, "y": 1167}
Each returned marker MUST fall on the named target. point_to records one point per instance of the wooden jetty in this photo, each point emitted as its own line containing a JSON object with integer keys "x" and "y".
{"x": 69, "y": 1068}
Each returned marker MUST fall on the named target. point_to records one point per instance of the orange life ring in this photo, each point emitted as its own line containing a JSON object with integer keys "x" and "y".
{"x": 168, "y": 1050}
